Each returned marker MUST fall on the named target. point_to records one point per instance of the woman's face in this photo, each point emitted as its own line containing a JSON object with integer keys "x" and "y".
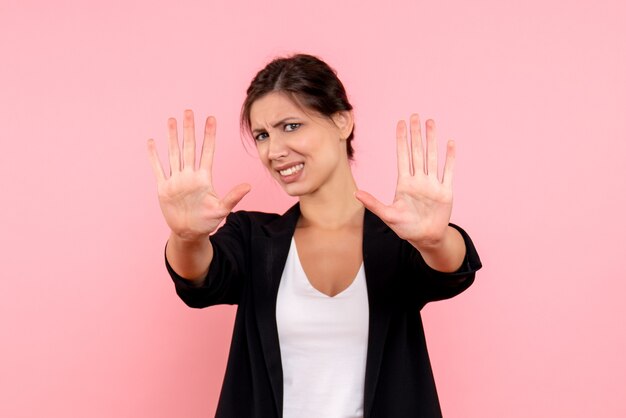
{"x": 301, "y": 149}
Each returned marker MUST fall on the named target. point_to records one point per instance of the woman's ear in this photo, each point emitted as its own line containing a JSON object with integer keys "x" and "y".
{"x": 344, "y": 120}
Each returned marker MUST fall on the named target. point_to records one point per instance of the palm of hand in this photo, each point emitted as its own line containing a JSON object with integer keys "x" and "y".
{"x": 189, "y": 203}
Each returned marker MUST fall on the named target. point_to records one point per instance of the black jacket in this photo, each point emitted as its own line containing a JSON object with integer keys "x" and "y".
{"x": 250, "y": 251}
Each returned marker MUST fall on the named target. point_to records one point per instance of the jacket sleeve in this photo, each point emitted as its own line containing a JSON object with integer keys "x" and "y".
{"x": 226, "y": 276}
{"x": 432, "y": 285}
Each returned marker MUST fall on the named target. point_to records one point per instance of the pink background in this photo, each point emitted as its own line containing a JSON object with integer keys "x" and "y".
{"x": 533, "y": 92}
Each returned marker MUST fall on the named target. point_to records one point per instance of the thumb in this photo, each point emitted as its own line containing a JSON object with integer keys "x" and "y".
{"x": 371, "y": 203}
{"x": 235, "y": 195}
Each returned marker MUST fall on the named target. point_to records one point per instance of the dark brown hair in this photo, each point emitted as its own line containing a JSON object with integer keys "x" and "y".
{"x": 309, "y": 81}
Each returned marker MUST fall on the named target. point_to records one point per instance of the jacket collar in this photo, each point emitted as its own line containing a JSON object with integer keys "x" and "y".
{"x": 285, "y": 224}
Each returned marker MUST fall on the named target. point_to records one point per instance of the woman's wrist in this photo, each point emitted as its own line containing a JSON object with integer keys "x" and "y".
{"x": 190, "y": 259}
{"x": 445, "y": 255}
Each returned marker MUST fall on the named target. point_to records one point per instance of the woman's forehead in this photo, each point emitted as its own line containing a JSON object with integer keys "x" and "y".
{"x": 273, "y": 107}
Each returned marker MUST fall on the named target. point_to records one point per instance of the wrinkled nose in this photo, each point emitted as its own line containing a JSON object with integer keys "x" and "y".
{"x": 277, "y": 148}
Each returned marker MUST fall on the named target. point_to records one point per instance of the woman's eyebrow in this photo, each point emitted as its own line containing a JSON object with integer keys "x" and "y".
{"x": 275, "y": 125}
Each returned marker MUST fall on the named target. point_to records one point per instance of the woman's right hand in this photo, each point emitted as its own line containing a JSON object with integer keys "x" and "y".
{"x": 187, "y": 198}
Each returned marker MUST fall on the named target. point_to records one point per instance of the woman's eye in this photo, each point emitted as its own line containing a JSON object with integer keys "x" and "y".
{"x": 292, "y": 126}
{"x": 262, "y": 136}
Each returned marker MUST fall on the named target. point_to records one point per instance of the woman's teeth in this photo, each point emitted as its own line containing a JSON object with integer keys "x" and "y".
{"x": 291, "y": 170}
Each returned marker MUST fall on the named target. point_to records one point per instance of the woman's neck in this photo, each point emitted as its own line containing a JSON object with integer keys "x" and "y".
{"x": 332, "y": 207}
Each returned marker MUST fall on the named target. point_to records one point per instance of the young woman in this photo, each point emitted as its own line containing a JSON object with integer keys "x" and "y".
{"x": 329, "y": 294}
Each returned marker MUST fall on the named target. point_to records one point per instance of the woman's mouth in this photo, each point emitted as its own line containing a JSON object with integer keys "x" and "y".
{"x": 291, "y": 170}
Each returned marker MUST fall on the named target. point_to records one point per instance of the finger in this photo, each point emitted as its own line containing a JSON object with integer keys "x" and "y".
{"x": 404, "y": 168}
{"x": 417, "y": 148}
{"x": 155, "y": 161}
{"x": 208, "y": 144}
{"x": 431, "y": 145}
{"x": 189, "y": 140}
{"x": 448, "y": 169}
{"x": 374, "y": 205}
{"x": 172, "y": 140}
{"x": 235, "y": 195}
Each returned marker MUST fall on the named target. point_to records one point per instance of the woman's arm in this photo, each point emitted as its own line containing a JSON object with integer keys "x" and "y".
{"x": 420, "y": 212}
{"x": 191, "y": 208}
{"x": 189, "y": 259}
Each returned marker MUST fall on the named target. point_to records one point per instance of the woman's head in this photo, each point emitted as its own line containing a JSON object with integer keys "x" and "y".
{"x": 308, "y": 81}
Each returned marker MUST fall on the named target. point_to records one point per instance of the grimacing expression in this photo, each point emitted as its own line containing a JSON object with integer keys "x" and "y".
{"x": 301, "y": 149}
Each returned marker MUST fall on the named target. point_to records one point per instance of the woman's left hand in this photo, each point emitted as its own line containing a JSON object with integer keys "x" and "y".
{"x": 422, "y": 205}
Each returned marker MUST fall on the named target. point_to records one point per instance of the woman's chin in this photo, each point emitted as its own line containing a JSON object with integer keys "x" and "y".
{"x": 294, "y": 189}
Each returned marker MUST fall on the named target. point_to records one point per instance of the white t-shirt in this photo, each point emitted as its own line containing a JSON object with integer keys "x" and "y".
{"x": 323, "y": 345}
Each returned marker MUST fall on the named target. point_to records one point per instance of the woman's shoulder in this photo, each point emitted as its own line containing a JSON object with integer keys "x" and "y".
{"x": 271, "y": 223}
{"x": 254, "y": 216}
{"x": 251, "y": 221}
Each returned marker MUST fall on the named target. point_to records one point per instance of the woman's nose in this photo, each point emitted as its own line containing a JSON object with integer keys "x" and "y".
{"x": 277, "y": 148}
